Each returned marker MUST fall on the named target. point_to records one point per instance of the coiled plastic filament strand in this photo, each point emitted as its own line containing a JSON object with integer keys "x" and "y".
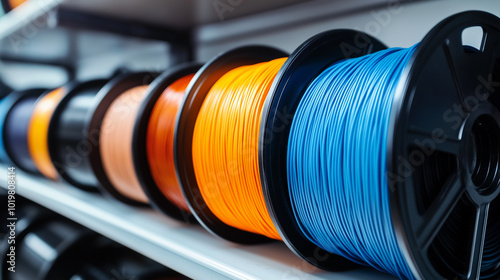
{"x": 160, "y": 141}
{"x": 225, "y": 147}
{"x": 336, "y": 160}
{"x": 38, "y": 132}
{"x": 116, "y": 143}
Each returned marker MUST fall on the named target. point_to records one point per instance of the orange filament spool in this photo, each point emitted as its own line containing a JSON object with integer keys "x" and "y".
{"x": 116, "y": 143}
{"x": 225, "y": 147}
{"x": 160, "y": 141}
{"x": 38, "y": 132}
{"x": 153, "y": 148}
{"x": 15, "y": 3}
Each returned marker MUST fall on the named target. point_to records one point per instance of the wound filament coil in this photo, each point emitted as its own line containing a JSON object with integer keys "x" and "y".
{"x": 38, "y": 132}
{"x": 336, "y": 160}
{"x": 160, "y": 141}
{"x": 225, "y": 147}
{"x": 116, "y": 143}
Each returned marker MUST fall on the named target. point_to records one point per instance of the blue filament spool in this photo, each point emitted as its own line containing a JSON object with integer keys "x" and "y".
{"x": 15, "y": 113}
{"x": 441, "y": 167}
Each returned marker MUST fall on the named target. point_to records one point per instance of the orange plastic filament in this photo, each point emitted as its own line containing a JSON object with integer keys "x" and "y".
{"x": 225, "y": 147}
{"x": 116, "y": 143}
{"x": 160, "y": 141}
{"x": 38, "y": 132}
{"x": 16, "y": 3}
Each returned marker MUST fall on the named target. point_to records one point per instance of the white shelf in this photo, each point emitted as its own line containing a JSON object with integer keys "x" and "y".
{"x": 188, "y": 249}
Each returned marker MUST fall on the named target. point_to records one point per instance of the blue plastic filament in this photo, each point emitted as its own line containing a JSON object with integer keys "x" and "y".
{"x": 336, "y": 160}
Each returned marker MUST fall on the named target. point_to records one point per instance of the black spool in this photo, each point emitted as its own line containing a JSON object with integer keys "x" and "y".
{"x": 465, "y": 151}
{"x": 68, "y": 243}
{"x": 301, "y": 68}
{"x": 6, "y": 6}
{"x": 459, "y": 179}
{"x": 15, "y": 127}
{"x": 196, "y": 92}
{"x": 69, "y": 139}
{"x": 141, "y": 163}
{"x": 104, "y": 99}
{"x": 30, "y": 216}
{"x": 110, "y": 260}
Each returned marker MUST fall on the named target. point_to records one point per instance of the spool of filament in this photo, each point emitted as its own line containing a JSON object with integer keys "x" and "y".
{"x": 15, "y": 113}
{"x": 29, "y": 216}
{"x": 38, "y": 130}
{"x": 69, "y": 138}
{"x": 66, "y": 244}
{"x": 112, "y": 122}
{"x": 153, "y": 138}
{"x": 9, "y": 5}
{"x": 214, "y": 200}
{"x": 380, "y": 168}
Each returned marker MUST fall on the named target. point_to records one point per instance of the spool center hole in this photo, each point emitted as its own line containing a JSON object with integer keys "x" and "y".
{"x": 484, "y": 155}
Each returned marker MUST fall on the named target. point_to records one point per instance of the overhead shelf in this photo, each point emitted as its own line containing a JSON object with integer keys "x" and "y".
{"x": 144, "y": 17}
{"x": 55, "y": 32}
{"x": 188, "y": 249}
{"x": 178, "y": 14}
{"x": 148, "y": 17}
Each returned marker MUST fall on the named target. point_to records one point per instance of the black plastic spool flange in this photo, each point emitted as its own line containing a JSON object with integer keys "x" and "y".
{"x": 30, "y": 217}
{"x": 139, "y": 142}
{"x": 69, "y": 241}
{"x": 441, "y": 75}
{"x": 73, "y": 142}
{"x": 196, "y": 92}
{"x": 439, "y": 65}
{"x": 302, "y": 67}
{"x": 6, "y": 6}
{"x": 108, "y": 257}
{"x": 112, "y": 90}
{"x": 20, "y": 155}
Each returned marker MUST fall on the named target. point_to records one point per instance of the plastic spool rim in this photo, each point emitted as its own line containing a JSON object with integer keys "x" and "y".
{"x": 75, "y": 246}
{"x": 196, "y": 92}
{"x": 73, "y": 89}
{"x": 32, "y": 220}
{"x": 14, "y": 99}
{"x": 104, "y": 99}
{"x": 301, "y": 68}
{"x": 459, "y": 71}
{"x": 139, "y": 142}
{"x": 6, "y": 6}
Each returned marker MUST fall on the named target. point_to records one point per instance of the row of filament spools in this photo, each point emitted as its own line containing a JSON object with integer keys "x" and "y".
{"x": 348, "y": 152}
